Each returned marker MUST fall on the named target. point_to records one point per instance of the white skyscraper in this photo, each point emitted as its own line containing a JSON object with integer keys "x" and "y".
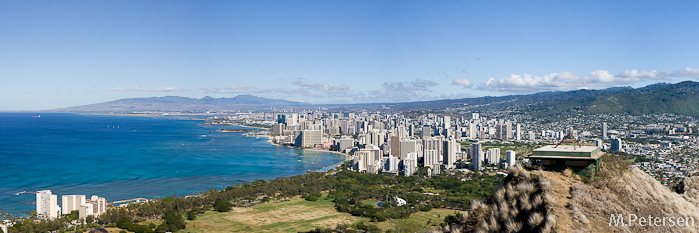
{"x": 101, "y": 203}
{"x": 472, "y": 131}
{"x": 359, "y": 161}
{"x": 447, "y": 122}
{"x": 518, "y": 132}
{"x": 86, "y": 209}
{"x": 71, "y": 202}
{"x": 409, "y": 165}
{"x": 431, "y": 157}
{"x": 510, "y": 158}
{"x": 449, "y": 152}
{"x": 493, "y": 156}
{"x": 391, "y": 164}
{"x": 47, "y": 204}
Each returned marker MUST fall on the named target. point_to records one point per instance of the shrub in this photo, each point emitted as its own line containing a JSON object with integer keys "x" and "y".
{"x": 124, "y": 224}
{"x": 191, "y": 215}
{"x": 222, "y": 205}
{"x": 313, "y": 197}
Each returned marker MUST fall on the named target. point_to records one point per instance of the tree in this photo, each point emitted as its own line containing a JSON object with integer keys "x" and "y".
{"x": 191, "y": 215}
{"x": 124, "y": 223}
{"x": 90, "y": 219}
{"x": 222, "y": 205}
{"x": 175, "y": 221}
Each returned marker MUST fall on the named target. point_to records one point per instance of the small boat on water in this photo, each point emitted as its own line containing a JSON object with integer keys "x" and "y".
{"x": 23, "y": 192}
{"x": 37, "y": 116}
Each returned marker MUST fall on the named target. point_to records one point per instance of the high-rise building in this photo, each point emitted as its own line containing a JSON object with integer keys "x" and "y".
{"x": 86, "y": 209}
{"x": 475, "y": 116}
{"x": 375, "y": 155}
{"x": 288, "y": 119}
{"x": 391, "y": 164}
{"x": 503, "y": 131}
{"x": 510, "y": 158}
{"x": 359, "y": 161}
{"x": 47, "y": 204}
{"x": 446, "y": 122}
{"x": 493, "y": 156}
{"x": 604, "y": 130}
{"x": 71, "y": 202}
{"x": 431, "y": 157}
{"x": 376, "y": 137}
{"x": 277, "y": 129}
{"x": 433, "y": 144}
{"x": 409, "y": 166}
{"x": 616, "y": 144}
{"x": 426, "y": 132}
{"x": 531, "y": 136}
{"x": 309, "y": 138}
{"x": 476, "y": 156}
{"x": 99, "y": 204}
{"x": 345, "y": 143}
{"x": 449, "y": 152}
{"x": 518, "y": 132}
{"x": 407, "y": 146}
{"x": 472, "y": 131}
{"x": 395, "y": 145}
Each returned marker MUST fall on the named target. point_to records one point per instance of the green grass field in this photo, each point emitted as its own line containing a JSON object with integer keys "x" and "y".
{"x": 293, "y": 216}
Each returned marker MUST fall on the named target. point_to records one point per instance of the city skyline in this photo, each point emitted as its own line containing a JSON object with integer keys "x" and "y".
{"x": 74, "y": 53}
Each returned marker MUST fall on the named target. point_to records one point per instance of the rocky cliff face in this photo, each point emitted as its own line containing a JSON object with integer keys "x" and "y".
{"x": 542, "y": 201}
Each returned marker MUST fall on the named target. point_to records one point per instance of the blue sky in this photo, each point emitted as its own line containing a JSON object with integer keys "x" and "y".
{"x": 65, "y": 53}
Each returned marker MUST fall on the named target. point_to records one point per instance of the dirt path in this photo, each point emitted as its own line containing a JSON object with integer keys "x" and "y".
{"x": 560, "y": 185}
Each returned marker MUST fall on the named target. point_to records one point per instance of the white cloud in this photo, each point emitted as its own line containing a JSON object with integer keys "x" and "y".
{"x": 462, "y": 82}
{"x": 164, "y": 89}
{"x": 653, "y": 74}
{"x": 563, "y": 81}
{"x": 687, "y": 72}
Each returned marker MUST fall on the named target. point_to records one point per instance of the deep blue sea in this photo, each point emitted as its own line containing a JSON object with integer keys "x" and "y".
{"x": 123, "y": 157}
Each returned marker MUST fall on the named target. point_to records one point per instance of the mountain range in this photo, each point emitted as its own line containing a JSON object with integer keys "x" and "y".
{"x": 680, "y": 98}
{"x": 176, "y": 103}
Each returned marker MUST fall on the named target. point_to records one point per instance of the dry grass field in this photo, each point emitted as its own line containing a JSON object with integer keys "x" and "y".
{"x": 294, "y": 215}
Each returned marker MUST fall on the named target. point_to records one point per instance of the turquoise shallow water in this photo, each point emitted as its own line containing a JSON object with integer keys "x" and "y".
{"x": 121, "y": 157}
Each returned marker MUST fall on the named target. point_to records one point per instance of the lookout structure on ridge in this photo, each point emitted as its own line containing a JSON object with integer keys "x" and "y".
{"x": 583, "y": 160}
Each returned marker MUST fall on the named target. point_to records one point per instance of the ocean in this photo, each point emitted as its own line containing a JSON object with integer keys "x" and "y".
{"x": 124, "y": 157}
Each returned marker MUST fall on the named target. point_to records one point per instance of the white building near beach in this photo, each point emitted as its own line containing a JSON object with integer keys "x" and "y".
{"x": 47, "y": 204}
{"x": 71, "y": 203}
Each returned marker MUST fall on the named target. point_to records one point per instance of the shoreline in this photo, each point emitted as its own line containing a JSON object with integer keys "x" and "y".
{"x": 270, "y": 141}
